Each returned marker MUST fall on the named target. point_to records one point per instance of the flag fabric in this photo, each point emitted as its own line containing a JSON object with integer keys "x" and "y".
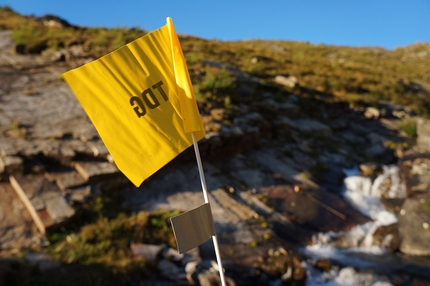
{"x": 193, "y": 227}
{"x": 141, "y": 101}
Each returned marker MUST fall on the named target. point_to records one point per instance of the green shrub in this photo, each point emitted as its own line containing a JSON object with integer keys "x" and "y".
{"x": 409, "y": 126}
{"x": 217, "y": 80}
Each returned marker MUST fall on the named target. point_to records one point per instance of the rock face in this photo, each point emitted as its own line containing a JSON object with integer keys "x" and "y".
{"x": 414, "y": 227}
{"x": 315, "y": 208}
{"x": 414, "y": 218}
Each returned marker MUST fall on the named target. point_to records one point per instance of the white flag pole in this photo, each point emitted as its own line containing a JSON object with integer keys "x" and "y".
{"x": 205, "y": 194}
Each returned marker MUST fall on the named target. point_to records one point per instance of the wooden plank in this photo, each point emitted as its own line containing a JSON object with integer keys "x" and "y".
{"x": 26, "y": 201}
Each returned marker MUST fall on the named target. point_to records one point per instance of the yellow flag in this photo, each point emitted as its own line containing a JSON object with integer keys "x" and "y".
{"x": 141, "y": 101}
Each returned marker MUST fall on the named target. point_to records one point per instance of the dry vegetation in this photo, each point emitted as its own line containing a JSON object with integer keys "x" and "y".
{"x": 359, "y": 75}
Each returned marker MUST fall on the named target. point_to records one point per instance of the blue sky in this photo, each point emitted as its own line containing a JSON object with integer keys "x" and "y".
{"x": 383, "y": 23}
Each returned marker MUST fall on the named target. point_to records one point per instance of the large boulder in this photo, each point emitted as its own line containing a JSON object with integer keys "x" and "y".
{"x": 414, "y": 228}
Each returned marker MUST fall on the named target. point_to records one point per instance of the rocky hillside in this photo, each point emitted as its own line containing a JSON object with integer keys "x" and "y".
{"x": 283, "y": 119}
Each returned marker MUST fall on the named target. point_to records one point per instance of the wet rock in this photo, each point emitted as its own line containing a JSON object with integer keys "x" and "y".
{"x": 323, "y": 265}
{"x": 314, "y": 208}
{"x": 414, "y": 227}
{"x": 369, "y": 170}
{"x": 415, "y": 168}
{"x": 387, "y": 237}
{"x": 299, "y": 273}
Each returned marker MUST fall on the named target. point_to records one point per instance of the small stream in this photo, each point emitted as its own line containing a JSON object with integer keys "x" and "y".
{"x": 359, "y": 260}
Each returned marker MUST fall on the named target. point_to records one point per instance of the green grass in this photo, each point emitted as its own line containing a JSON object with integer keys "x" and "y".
{"x": 409, "y": 126}
{"x": 95, "y": 248}
{"x": 106, "y": 241}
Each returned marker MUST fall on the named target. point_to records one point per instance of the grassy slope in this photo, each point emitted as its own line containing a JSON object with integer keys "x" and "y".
{"x": 333, "y": 73}
{"x": 351, "y": 74}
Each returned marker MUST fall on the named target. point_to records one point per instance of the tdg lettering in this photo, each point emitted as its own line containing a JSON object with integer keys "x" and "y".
{"x": 148, "y": 99}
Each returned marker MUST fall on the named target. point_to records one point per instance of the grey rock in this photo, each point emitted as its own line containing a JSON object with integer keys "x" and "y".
{"x": 65, "y": 178}
{"x": 251, "y": 120}
{"x": 282, "y": 127}
{"x": 414, "y": 227}
{"x": 291, "y": 110}
{"x": 172, "y": 254}
{"x": 303, "y": 160}
{"x": 317, "y": 208}
{"x": 190, "y": 256}
{"x": 150, "y": 252}
{"x": 52, "y": 55}
{"x": 311, "y": 126}
{"x": 211, "y": 278}
{"x": 16, "y": 224}
{"x": 11, "y": 165}
{"x": 6, "y": 42}
{"x": 80, "y": 195}
{"x": 96, "y": 170}
{"x": 43, "y": 200}
{"x": 191, "y": 267}
{"x": 169, "y": 270}
{"x": 387, "y": 237}
{"x": 369, "y": 169}
{"x": 99, "y": 149}
{"x": 423, "y": 132}
{"x": 375, "y": 150}
{"x": 42, "y": 261}
{"x": 352, "y": 137}
{"x": 372, "y": 113}
{"x": 289, "y": 81}
{"x": 58, "y": 209}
